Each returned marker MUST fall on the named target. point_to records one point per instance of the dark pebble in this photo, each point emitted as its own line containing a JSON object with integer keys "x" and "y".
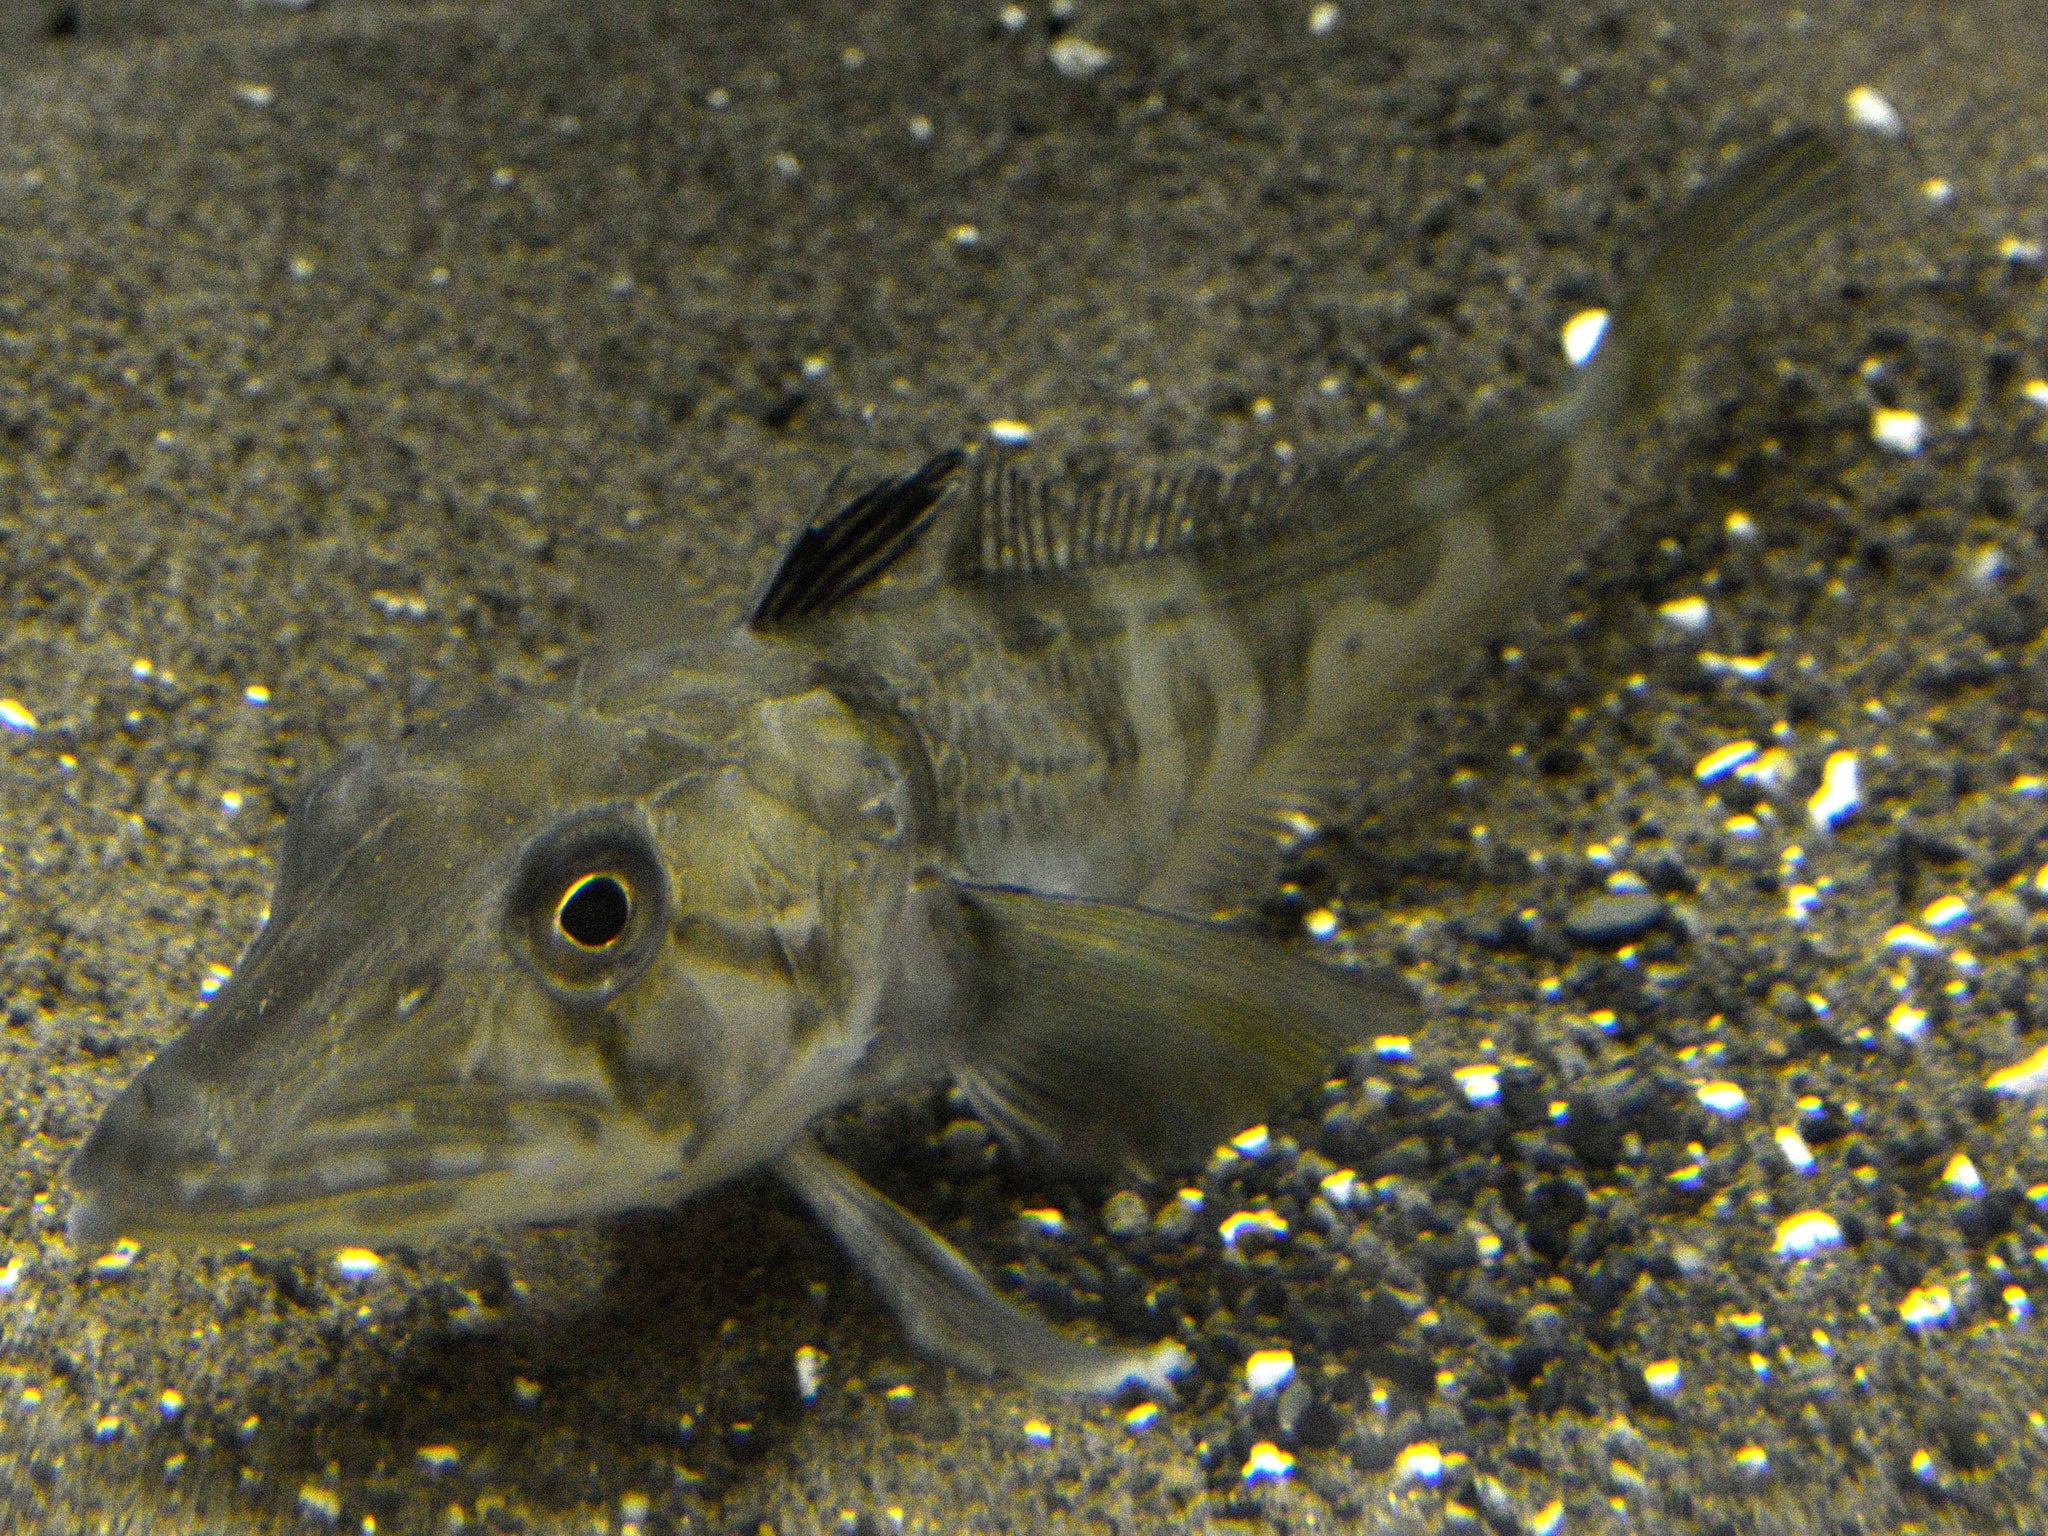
{"x": 1612, "y": 919}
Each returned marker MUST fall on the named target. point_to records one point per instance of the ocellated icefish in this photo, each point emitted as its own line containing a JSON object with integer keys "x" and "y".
{"x": 961, "y": 797}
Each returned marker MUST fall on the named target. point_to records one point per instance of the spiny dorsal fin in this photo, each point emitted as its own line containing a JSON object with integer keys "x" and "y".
{"x": 1024, "y": 525}
{"x": 838, "y": 555}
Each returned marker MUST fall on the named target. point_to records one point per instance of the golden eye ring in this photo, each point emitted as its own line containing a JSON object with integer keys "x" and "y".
{"x": 594, "y": 912}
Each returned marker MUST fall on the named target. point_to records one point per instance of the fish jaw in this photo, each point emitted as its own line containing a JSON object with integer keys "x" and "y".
{"x": 205, "y": 1149}
{"x": 400, "y": 1192}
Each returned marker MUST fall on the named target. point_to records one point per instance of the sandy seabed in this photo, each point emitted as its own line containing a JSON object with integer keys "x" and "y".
{"x": 332, "y": 343}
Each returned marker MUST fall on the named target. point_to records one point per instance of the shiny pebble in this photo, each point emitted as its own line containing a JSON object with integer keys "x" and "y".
{"x": 1927, "y": 1306}
{"x": 1723, "y": 760}
{"x": 1722, "y": 1098}
{"x": 1903, "y": 432}
{"x": 1582, "y": 335}
{"x": 1268, "y": 1370}
{"x": 1267, "y": 1463}
{"x": 1867, "y": 109}
{"x": 1839, "y": 794}
{"x": 357, "y": 1263}
{"x": 1805, "y": 1234}
{"x": 2022, "y": 1077}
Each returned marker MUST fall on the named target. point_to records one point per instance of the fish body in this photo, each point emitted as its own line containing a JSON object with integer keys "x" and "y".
{"x": 963, "y": 797}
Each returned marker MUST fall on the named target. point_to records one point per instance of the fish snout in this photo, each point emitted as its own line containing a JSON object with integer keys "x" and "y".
{"x": 128, "y": 1169}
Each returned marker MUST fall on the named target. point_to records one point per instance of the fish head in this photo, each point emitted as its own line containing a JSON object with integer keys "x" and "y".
{"x": 529, "y": 966}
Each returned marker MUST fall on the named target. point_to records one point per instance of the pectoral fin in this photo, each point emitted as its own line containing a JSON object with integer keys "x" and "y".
{"x": 1115, "y": 1034}
{"x": 950, "y": 1312}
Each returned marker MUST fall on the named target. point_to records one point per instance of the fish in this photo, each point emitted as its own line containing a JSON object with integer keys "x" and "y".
{"x": 971, "y": 794}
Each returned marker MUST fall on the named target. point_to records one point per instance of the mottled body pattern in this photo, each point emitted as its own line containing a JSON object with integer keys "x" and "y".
{"x": 964, "y": 797}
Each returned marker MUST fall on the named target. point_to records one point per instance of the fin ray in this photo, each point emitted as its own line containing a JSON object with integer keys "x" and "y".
{"x": 946, "y": 1306}
{"x": 1115, "y": 1035}
{"x": 837, "y": 556}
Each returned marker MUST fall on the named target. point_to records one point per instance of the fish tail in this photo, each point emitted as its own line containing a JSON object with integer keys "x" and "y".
{"x": 1387, "y": 573}
{"x": 1763, "y": 210}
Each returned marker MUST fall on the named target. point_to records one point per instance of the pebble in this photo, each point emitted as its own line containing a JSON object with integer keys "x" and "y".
{"x": 1124, "y": 1215}
{"x": 1903, "y": 432}
{"x": 1868, "y": 110}
{"x": 1582, "y": 335}
{"x": 1664, "y": 1378}
{"x": 810, "y": 1372}
{"x": 1077, "y": 58}
{"x": 1724, "y": 759}
{"x": 1267, "y": 1463}
{"x": 1839, "y": 794}
{"x": 1268, "y": 1370}
{"x": 1805, "y": 1234}
{"x": 2022, "y": 1077}
{"x": 1613, "y": 918}
{"x": 1930, "y": 1306}
{"x": 1723, "y": 1098}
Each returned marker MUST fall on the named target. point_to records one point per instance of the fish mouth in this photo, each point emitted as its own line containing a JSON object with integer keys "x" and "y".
{"x": 371, "y": 1176}
{"x": 387, "y": 1193}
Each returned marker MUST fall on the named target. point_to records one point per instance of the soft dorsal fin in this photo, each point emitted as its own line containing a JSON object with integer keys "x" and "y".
{"x": 1023, "y": 525}
{"x": 837, "y": 556}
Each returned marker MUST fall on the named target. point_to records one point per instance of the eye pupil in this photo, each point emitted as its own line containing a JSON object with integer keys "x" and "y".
{"x": 593, "y": 912}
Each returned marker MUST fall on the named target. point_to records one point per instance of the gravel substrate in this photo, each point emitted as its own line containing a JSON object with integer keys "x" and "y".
{"x": 336, "y": 343}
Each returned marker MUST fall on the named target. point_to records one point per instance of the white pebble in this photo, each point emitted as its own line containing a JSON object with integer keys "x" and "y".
{"x": 357, "y": 1263}
{"x": 1914, "y": 941}
{"x": 16, "y": 716}
{"x": 1872, "y": 113}
{"x": 1722, "y": 1098}
{"x": 1906, "y": 1021}
{"x": 1010, "y": 432}
{"x": 1690, "y": 614}
{"x": 1323, "y": 19}
{"x": 1077, "y": 58}
{"x": 1479, "y": 1083}
{"x": 1901, "y": 431}
{"x": 1268, "y": 1370}
{"x": 2022, "y": 1077}
{"x": 1723, "y": 760}
{"x": 1582, "y": 334}
{"x": 1422, "y": 1462}
{"x": 1793, "y": 1148}
{"x": 1961, "y": 1175}
{"x": 1929, "y": 1306}
{"x": 1267, "y": 1463}
{"x": 1664, "y": 1378}
{"x": 1806, "y": 1234}
{"x": 1839, "y": 794}
{"x": 1946, "y": 912}
{"x": 810, "y": 1372}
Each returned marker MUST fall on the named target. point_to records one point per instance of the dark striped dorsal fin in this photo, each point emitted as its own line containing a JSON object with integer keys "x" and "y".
{"x": 1018, "y": 524}
{"x": 838, "y": 555}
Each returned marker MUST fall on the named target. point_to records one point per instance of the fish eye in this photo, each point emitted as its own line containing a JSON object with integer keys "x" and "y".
{"x": 588, "y": 906}
{"x": 594, "y": 911}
